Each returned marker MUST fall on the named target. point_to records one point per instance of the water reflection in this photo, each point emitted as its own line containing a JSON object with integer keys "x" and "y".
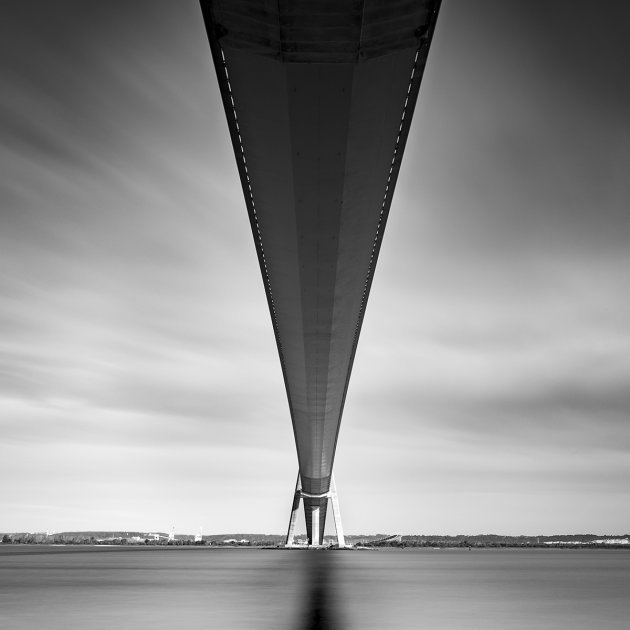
{"x": 320, "y": 609}
{"x": 239, "y": 589}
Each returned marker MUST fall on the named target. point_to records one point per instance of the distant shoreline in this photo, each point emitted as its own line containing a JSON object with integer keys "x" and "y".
{"x": 160, "y": 540}
{"x": 73, "y": 548}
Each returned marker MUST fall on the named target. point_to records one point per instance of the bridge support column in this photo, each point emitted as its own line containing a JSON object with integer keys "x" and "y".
{"x": 334, "y": 501}
{"x": 294, "y": 512}
{"x": 315, "y": 541}
{"x": 315, "y": 514}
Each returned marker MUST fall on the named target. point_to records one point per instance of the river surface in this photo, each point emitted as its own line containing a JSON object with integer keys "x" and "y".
{"x": 117, "y": 588}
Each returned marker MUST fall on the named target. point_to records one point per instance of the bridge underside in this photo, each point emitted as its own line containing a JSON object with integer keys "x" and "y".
{"x": 319, "y": 97}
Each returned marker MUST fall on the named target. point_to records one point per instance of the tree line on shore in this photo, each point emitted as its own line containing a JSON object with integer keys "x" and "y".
{"x": 270, "y": 540}
{"x": 72, "y": 538}
{"x": 498, "y": 541}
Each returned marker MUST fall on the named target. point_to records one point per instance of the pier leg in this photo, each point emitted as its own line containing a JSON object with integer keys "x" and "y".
{"x": 294, "y": 512}
{"x": 334, "y": 500}
{"x": 315, "y": 527}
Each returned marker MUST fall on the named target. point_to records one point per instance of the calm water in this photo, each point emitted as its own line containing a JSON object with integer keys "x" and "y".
{"x": 113, "y": 588}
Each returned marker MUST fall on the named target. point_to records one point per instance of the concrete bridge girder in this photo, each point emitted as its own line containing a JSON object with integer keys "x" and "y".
{"x": 319, "y": 99}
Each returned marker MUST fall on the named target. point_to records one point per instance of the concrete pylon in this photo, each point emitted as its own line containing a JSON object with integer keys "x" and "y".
{"x": 334, "y": 500}
{"x": 314, "y": 533}
{"x": 294, "y": 510}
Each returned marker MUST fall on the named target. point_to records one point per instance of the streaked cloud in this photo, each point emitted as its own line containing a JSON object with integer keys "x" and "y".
{"x": 139, "y": 379}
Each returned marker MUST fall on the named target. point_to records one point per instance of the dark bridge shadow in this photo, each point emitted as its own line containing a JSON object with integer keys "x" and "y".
{"x": 320, "y": 610}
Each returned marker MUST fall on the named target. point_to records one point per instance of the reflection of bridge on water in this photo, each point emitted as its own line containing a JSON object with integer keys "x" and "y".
{"x": 319, "y": 98}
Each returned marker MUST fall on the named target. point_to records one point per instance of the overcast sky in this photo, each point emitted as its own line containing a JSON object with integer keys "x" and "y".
{"x": 140, "y": 385}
